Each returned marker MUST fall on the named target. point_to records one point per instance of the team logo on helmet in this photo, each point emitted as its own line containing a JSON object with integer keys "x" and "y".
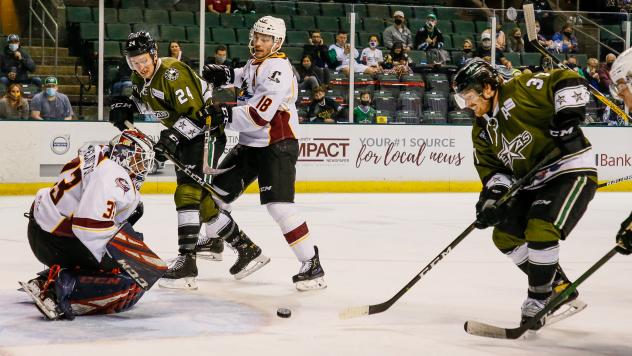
{"x": 172, "y": 74}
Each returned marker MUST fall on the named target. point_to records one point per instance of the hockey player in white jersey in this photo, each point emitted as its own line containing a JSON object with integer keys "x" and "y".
{"x": 77, "y": 224}
{"x": 267, "y": 122}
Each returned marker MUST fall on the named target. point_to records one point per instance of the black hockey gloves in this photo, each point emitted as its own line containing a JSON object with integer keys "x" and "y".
{"x": 122, "y": 109}
{"x": 624, "y": 237}
{"x": 569, "y": 139}
{"x": 182, "y": 130}
{"x": 136, "y": 214}
{"x": 487, "y": 214}
{"x": 218, "y": 74}
{"x": 215, "y": 115}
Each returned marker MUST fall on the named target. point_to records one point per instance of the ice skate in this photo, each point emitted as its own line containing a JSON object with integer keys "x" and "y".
{"x": 530, "y": 308}
{"x": 570, "y": 306}
{"x": 310, "y": 276}
{"x": 209, "y": 248}
{"x": 181, "y": 273}
{"x": 45, "y": 302}
{"x": 249, "y": 257}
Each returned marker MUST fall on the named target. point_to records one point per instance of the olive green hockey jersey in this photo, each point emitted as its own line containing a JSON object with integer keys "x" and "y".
{"x": 175, "y": 90}
{"x": 517, "y": 136}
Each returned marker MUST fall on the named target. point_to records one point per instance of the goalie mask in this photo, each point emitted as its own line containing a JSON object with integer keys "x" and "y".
{"x": 473, "y": 76}
{"x": 139, "y": 43}
{"x": 133, "y": 151}
{"x": 621, "y": 75}
{"x": 271, "y": 26}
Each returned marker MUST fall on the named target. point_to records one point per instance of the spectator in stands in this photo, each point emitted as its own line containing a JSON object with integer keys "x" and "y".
{"x": 14, "y": 106}
{"x": 485, "y": 48}
{"x": 220, "y": 57}
{"x": 243, "y": 7}
{"x": 50, "y": 103}
{"x": 397, "y": 61}
{"x": 317, "y": 50}
{"x": 516, "y": 43}
{"x": 310, "y": 76}
{"x": 340, "y": 55}
{"x": 218, "y": 6}
{"x": 398, "y": 32}
{"x": 123, "y": 80}
{"x": 543, "y": 14}
{"x": 604, "y": 73}
{"x": 429, "y": 36}
{"x": 16, "y": 63}
{"x": 565, "y": 41}
{"x": 468, "y": 52}
{"x": 372, "y": 56}
{"x": 543, "y": 41}
{"x": 323, "y": 109}
{"x": 175, "y": 51}
{"x": 501, "y": 41}
{"x": 591, "y": 72}
{"x": 364, "y": 113}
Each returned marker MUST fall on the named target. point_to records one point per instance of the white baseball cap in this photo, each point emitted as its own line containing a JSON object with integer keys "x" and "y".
{"x": 398, "y": 13}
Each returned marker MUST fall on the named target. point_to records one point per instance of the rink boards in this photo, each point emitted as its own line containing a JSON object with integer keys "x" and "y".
{"x": 333, "y": 158}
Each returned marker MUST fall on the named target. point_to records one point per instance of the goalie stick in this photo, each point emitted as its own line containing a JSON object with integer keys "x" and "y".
{"x": 487, "y": 330}
{"x": 354, "y": 312}
{"x": 529, "y": 18}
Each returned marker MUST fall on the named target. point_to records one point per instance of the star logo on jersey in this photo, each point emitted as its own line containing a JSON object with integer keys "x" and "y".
{"x": 578, "y": 96}
{"x": 512, "y": 150}
{"x": 172, "y": 74}
{"x": 560, "y": 99}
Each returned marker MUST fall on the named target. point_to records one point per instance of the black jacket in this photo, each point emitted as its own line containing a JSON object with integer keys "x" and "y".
{"x": 321, "y": 74}
{"x": 319, "y": 54}
{"x": 23, "y": 66}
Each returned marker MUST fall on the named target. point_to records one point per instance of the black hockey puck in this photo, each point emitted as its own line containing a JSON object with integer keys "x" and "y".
{"x": 284, "y": 313}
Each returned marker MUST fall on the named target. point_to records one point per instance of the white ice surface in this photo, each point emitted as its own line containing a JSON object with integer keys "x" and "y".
{"x": 371, "y": 246}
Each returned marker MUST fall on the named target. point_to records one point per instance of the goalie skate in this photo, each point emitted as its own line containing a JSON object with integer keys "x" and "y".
{"x": 46, "y": 305}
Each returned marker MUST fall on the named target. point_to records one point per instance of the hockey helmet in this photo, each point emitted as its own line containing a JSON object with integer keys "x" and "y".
{"x": 268, "y": 25}
{"x": 621, "y": 69}
{"x": 473, "y": 76}
{"x": 139, "y": 43}
{"x": 133, "y": 151}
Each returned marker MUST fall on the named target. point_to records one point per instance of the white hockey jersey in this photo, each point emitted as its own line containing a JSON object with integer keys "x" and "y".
{"x": 266, "y": 105}
{"x": 92, "y": 196}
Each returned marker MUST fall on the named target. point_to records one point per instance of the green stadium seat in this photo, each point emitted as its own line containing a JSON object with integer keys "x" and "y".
{"x": 530, "y": 59}
{"x": 327, "y": 24}
{"x": 407, "y": 10}
{"x": 359, "y": 9}
{"x": 210, "y": 19}
{"x": 163, "y": 49}
{"x": 243, "y": 35}
{"x": 460, "y": 26}
{"x": 293, "y": 53}
{"x": 173, "y": 33}
{"x": 193, "y": 34}
{"x": 285, "y": 8}
{"x": 129, "y": 16}
{"x": 297, "y": 38}
{"x": 446, "y": 13}
{"x": 582, "y": 58}
{"x": 224, "y": 35}
{"x": 117, "y": 31}
{"x": 286, "y": 18}
{"x": 110, "y": 15}
{"x": 129, "y": 4}
{"x": 304, "y": 23}
{"x": 416, "y": 24}
{"x": 363, "y": 39}
{"x": 90, "y": 31}
{"x": 192, "y": 50}
{"x": 328, "y": 37}
{"x": 308, "y": 8}
{"x": 481, "y": 26}
{"x": 456, "y": 56}
{"x": 514, "y": 58}
{"x": 264, "y": 8}
{"x": 418, "y": 57}
{"x": 239, "y": 52}
{"x": 332, "y": 9}
{"x": 209, "y": 50}
{"x": 447, "y": 42}
{"x": 78, "y": 14}
{"x": 111, "y": 49}
{"x": 151, "y": 28}
{"x": 379, "y": 11}
{"x": 250, "y": 19}
{"x": 458, "y": 39}
{"x": 160, "y": 4}
{"x": 182, "y": 18}
{"x": 158, "y": 17}
{"x": 232, "y": 21}
{"x": 374, "y": 25}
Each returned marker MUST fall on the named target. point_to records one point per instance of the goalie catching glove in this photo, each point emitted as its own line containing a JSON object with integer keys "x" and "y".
{"x": 487, "y": 213}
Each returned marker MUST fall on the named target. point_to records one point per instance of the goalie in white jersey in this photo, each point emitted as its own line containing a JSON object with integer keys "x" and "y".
{"x": 80, "y": 225}
{"x": 267, "y": 122}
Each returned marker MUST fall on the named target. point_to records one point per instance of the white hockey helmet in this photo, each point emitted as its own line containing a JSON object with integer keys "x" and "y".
{"x": 268, "y": 25}
{"x": 621, "y": 69}
{"x": 133, "y": 151}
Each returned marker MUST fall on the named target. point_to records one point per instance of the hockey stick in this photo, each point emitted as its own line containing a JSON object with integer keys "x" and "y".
{"x": 614, "y": 181}
{"x": 354, "y": 312}
{"x": 529, "y": 18}
{"x": 487, "y": 330}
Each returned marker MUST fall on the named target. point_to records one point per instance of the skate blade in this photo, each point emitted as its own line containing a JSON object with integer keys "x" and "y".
{"x": 311, "y": 284}
{"x": 187, "y": 283}
{"x": 252, "y": 267}
{"x": 49, "y": 313}
{"x": 566, "y": 310}
{"x": 210, "y": 256}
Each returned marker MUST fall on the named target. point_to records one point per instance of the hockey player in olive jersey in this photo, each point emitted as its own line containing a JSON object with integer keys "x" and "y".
{"x": 174, "y": 93}
{"x": 517, "y": 124}
{"x": 267, "y": 122}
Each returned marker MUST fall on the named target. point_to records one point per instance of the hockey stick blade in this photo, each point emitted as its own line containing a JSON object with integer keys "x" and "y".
{"x": 487, "y": 330}
{"x": 354, "y": 312}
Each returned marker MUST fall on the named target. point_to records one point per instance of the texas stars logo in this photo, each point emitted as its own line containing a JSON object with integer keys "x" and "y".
{"x": 512, "y": 150}
{"x": 172, "y": 74}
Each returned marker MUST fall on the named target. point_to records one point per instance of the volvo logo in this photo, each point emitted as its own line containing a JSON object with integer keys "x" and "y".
{"x": 60, "y": 144}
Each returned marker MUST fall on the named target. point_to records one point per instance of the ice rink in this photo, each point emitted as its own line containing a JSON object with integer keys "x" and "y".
{"x": 371, "y": 246}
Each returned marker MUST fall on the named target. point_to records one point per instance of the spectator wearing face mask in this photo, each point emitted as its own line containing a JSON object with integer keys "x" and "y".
{"x": 364, "y": 113}
{"x": 398, "y": 32}
{"x": 341, "y": 54}
{"x": 468, "y": 52}
{"x": 16, "y": 63}
{"x": 548, "y": 44}
{"x": 14, "y": 106}
{"x": 317, "y": 49}
{"x": 220, "y": 57}
{"x": 501, "y": 41}
{"x": 516, "y": 44}
{"x": 429, "y": 36}
{"x": 485, "y": 48}
{"x": 604, "y": 73}
{"x": 372, "y": 56}
{"x": 565, "y": 41}
{"x": 323, "y": 109}
{"x": 51, "y": 104}
{"x": 310, "y": 76}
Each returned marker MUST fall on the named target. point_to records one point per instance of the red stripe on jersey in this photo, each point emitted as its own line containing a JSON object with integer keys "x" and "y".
{"x": 71, "y": 165}
{"x": 296, "y": 234}
{"x": 92, "y": 224}
{"x": 280, "y": 129}
{"x": 256, "y": 117}
{"x": 64, "y": 229}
